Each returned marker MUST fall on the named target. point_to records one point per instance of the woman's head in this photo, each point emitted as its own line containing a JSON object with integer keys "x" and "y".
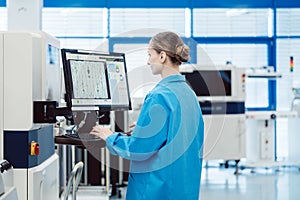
{"x": 172, "y": 45}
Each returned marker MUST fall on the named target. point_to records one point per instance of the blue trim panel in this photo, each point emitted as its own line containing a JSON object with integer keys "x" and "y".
{"x": 127, "y": 40}
{"x": 272, "y": 62}
{"x": 170, "y": 3}
{"x": 288, "y": 37}
{"x": 232, "y": 4}
{"x": 75, "y": 3}
{"x": 287, "y": 3}
{"x": 272, "y": 95}
{"x": 258, "y": 109}
{"x": 117, "y": 4}
{"x": 209, "y": 108}
{"x": 193, "y": 49}
{"x": 80, "y": 37}
{"x": 232, "y": 40}
{"x": 17, "y": 143}
{"x": 2, "y": 3}
{"x": 148, "y": 4}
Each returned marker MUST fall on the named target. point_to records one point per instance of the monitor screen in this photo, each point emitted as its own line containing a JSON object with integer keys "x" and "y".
{"x": 210, "y": 82}
{"x": 95, "y": 80}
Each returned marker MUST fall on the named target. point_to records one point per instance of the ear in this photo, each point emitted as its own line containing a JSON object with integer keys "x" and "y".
{"x": 163, "y": 56}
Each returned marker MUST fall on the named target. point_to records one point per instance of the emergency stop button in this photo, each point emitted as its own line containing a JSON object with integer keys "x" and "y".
{"x": 34, "y": 148}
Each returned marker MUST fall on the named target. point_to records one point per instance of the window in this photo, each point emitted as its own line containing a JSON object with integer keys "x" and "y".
{"x": 285, "y": 49}
{"x": 84, "y": 43}
{"x": 288, "y": 22}
{"x": 287, "y": 45}
{"x": 140, "y": 77}
{"x": 124, "y": 25}
{"x": 3, "y": 17}
{"x": 142, "y": 22}
{"x": 83, "y": 22}
{"x": 231, "y": 22}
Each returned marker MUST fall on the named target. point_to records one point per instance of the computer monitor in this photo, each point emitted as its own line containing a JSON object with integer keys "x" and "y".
{"x": 210, "y": 82}
{"x": 95, "y": 80}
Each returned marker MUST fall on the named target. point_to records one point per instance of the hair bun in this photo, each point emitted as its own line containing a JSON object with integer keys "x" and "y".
{"x": 173, "y": 45}
{"x": 182, "y": 53}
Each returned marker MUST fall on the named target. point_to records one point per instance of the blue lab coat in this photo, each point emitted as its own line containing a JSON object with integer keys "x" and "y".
{"x": 165, "y": 148}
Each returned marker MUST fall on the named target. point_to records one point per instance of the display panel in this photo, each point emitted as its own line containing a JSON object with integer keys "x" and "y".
{"x": 52, "y": 72}
{"x": 95, "y": 80}
{"x": 210, "y": 82}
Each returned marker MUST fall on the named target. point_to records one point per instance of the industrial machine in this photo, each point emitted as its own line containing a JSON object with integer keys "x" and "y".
{"x": 221, "y": 94}
{"x": 261, "y": 130}
{"x": 29, "y": 72}
{"x": 294, "y": 136}
{"x": 261, "y": 143}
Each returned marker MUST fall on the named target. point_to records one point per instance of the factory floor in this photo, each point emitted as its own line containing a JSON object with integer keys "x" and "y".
{"x": 218, "y": 182}
{"x": 273, "y": 183}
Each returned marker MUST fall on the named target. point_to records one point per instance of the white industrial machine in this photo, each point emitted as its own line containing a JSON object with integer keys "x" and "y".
{"x": 261, "y": 130}
{"x": 29, "y": 72}
{"x": 261, "y": 143}
{"x": 221, "y": 93}
{"x": 293, "y": 126}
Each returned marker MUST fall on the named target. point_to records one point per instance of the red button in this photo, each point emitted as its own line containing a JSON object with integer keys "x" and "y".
{"x": 37, "y": 149}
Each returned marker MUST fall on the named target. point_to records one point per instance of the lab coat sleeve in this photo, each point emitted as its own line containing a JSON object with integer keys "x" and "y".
{"x": 149, "y": 135}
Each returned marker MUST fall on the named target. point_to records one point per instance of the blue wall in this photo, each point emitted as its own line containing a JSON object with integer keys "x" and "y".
{"x": 2, "y": 3}
{"x": 232, "y": 4}
{"x": 148, "y": 4}
{"x": 287, "y": 4}
{"x": 76, "y": 3}
{"x": 172, "y": 3}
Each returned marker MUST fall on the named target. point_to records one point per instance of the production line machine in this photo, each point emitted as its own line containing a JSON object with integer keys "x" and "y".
{"x": 29, "y": 72}
{"x": 30, "y": 98}
{"x": 221, "y": 94}
{"x": 261, "y": 140}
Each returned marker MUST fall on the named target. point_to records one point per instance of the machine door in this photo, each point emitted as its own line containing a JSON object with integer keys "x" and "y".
{"x": 224, "y": 137}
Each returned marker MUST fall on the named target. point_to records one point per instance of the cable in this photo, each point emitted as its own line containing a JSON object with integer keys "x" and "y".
{"x": 81, "y": 124}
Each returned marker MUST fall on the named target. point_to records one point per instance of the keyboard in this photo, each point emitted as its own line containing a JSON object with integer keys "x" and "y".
{"x": 82, "y": 136}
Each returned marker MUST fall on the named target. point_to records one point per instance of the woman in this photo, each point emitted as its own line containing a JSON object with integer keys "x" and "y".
{"x": 165, "y": 148}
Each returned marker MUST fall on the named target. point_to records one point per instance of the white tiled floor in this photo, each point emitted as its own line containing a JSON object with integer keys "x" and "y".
{"x": 91, "y": 193}
{"x": 221, "y": 183}
{"x": 261, "y": 184}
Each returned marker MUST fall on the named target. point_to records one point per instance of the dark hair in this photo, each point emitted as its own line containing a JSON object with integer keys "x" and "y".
{"x": 173, "y": 45}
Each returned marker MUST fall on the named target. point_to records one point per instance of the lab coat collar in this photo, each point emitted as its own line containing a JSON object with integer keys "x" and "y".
{"x": 172, "y": 78}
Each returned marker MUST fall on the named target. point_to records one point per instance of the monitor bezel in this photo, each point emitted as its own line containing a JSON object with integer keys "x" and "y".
{"x": 69, "y": 85}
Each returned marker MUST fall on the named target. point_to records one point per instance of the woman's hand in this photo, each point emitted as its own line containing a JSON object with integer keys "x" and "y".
{"x": 101, "y": 132}
{"x": 131, "y": 127}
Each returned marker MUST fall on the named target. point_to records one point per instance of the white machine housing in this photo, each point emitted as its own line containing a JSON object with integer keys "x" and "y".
{"x": 261, "y": 143}
{"x": 224, "y": 137}
{"x": 223, "y": 109}
{"x": 29, "y": 71}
